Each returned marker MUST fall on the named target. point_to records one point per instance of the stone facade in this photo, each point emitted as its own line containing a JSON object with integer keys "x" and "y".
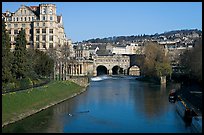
{"x": 44, "y": 28}
{"x": 134, "y": 70}
{"x": 110, "y": 62}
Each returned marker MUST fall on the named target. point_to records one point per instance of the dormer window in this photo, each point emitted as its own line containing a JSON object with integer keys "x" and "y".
{"x": 44, "y": 11}
{"x": 50, "y": 11}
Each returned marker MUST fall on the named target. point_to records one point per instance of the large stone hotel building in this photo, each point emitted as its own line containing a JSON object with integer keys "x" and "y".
{"x": 44, "y": 28}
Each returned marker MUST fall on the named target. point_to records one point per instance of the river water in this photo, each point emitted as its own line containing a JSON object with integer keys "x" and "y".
{"x": 110, "y": 105}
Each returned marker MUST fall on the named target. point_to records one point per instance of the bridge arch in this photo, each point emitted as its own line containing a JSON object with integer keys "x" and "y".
{"x": 134, "y": 70}
{"x": 101, "y": 70}
{"x": 116, "y": 70}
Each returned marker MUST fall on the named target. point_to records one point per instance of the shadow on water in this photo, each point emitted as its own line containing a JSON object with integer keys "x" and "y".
{"x": 40, "y": 121}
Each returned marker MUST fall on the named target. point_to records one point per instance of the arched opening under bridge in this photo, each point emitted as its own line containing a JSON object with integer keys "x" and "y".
{"x": 101, "y": 70}
{"x": 116, "y": 70}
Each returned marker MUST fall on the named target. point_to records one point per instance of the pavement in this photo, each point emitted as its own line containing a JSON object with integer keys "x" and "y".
{"x": 192, "y": 95}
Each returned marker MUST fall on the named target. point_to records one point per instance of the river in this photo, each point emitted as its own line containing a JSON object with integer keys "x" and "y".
{"x": 110, "y": 105}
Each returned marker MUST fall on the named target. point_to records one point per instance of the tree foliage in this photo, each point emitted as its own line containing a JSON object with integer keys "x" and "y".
{"x": 20, "y": 63}
{"x": 44, "y": 64}
{"x": 22, "y": 66}
{"x": 6, "y": 56}
{"x": 191, "y": 60}
{"x": 155, "y": 62}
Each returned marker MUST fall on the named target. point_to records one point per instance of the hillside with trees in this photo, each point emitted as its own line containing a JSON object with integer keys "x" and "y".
{"x": 133, "y": 38}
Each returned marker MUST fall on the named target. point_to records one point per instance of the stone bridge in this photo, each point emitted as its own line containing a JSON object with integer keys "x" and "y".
{"x": 100, "y": 65}
{"x": 111, "y": 65}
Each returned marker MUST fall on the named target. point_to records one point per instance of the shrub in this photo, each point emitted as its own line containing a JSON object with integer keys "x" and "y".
{"x": 26, "y": 82}
{"x": 8, "y": 86}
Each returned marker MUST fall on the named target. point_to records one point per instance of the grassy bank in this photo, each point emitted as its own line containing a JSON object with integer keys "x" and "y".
{"x": 17, "y": 104}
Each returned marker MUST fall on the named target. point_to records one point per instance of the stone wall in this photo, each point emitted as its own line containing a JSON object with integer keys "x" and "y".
{"x": 82, "y": 81}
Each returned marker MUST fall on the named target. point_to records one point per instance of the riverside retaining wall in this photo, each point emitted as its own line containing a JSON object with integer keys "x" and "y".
{"x": 82, "y": 81}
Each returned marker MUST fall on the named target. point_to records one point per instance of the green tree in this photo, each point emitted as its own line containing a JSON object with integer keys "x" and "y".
{"x": 31, "y": 58}
{"x": 6, "y": 56}
{"x": 155, "y": 62}
{"x": 44, "y": 64}
{"x": 20, "y": 64}
{"x": 191, "y": 60}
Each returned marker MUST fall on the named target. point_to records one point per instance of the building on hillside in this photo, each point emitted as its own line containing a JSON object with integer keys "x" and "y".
{"x": 43, "y": 27}
{"x": 128, "y": 49}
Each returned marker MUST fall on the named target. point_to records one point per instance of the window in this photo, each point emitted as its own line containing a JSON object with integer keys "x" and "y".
{"x": 17, "y": 19}
{"x": 43, "y": 30}
{"x": 51, "y": 18}
{"x": 25, "y": 11}
{"x": 37, "y": 45}
{"x": 43, "y": 24}
{"x": 31, "y": 31}
{"x": 51, "y": 38}
{"x": 9, "y": 31}
{"x": 9, "y": 25}
{"x": 28, "y": 18}
{"x": 25, "y": 19}
{"x": 23, "y": 25}
{"x": 51, "y": 31}
{"x": 15, "y": 31}
{"x": 37, "y": 37}
{"x": 37, "y": 31}
{"x": 44, "y": 45}
{"x": 50, "y": 11}
{"x": 14, "y": 19}
{"x": 21, "y": 18}
{"x": 43, "y": 17}
{"x": 44, "y": 37}
{"x": 15, "y": 25}
{"x": 51, "y": 45}
{"x": 9, "y": 19}
{"x": 44, "y": 11}
{"x": 37, "y": 24}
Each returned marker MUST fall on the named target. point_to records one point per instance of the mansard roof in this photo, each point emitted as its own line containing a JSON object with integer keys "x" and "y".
{"x": 34, "y": 9}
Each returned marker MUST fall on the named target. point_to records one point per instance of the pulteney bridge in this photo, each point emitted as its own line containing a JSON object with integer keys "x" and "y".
{"x": 112, "y": 65}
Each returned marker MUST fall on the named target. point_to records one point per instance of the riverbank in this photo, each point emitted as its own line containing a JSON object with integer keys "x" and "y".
{"x": 19, "y": 105}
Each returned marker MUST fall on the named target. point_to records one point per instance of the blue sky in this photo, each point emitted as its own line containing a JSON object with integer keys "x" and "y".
{"x": 86, "y": 20}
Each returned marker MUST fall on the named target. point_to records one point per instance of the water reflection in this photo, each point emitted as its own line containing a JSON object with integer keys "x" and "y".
{"x": 38, "y": 122}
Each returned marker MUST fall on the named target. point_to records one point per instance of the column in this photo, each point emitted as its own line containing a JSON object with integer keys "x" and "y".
{"x": 71, "y": 70}
{"x": 82, "y": 70}
{"x": 74, "y": 69}
{"x": 110, "y": 72}
{"x": 125, "y": 71}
